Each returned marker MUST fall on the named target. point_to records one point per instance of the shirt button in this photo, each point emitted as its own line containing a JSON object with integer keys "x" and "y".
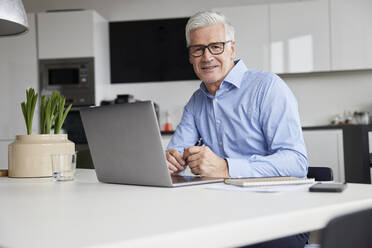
{"x": 220, "y": 143}
{"x": 216, "y": 99}
{"x": 218, "y": 121}
{"x": 227, "y": 89}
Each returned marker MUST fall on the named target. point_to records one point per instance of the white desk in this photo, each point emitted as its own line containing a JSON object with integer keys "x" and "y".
{"x": 85, "y": 213}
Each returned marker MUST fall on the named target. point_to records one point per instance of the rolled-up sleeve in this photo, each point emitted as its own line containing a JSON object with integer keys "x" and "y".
{"x": 280, "y": 123}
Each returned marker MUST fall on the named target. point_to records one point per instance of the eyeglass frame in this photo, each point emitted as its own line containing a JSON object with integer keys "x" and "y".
{"x": 207, "y": 46}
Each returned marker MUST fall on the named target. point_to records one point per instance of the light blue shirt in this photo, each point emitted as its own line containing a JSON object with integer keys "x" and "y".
{"x": 252, "y": 122}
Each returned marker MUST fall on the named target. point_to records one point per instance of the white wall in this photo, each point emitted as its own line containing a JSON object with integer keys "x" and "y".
{"x": 320, "y": 96}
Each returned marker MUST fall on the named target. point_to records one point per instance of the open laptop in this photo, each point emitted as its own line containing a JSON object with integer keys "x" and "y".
{"x": 125, "y": 145}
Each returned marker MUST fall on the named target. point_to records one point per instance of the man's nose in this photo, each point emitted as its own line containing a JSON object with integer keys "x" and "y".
{"x": 207, "y": 56}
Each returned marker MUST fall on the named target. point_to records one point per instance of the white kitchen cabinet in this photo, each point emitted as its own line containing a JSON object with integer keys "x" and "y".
{"x": 370, "y": 142}
{"x": 165, "y": 139}
{"x": 18, "y": 70}
{"x": 251, "y": 25}
{"x": 4, "y": 153}
{"x": 77, "y": 34}
{"x": 351, "y": 34}
{"x": 67, "y": 34}
{"x": 300, "y": 36}
{"x": 325, "y": 149}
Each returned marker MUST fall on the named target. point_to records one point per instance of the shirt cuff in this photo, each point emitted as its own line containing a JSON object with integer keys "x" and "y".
{"x": 240, "y": 168}
{"x": 234, "y": 168}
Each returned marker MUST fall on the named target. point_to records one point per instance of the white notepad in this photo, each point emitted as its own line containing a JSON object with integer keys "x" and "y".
{"x": 268, "y": 181}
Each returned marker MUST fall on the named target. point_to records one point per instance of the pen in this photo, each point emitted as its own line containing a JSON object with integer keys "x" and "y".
{"x": 199, "y": 142}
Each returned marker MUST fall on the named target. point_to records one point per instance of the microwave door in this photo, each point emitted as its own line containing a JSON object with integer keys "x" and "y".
{"x": 63, "y": 76}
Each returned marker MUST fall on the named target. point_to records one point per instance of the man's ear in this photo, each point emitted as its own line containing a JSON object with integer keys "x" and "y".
{"x": 232, "y": 47}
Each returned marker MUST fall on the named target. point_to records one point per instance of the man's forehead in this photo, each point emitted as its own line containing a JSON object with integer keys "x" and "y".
{"x": 210, "y": 33}
{"x": 215, "y": 26}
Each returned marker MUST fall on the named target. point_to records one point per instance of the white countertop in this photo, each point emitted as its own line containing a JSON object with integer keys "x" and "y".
{"x": 86, "y": 213}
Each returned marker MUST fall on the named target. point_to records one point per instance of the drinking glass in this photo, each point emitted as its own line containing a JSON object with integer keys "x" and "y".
{"x": 64, "y": 166}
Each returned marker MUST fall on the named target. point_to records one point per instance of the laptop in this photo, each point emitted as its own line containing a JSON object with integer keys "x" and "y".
{"x": 126, "y": 148}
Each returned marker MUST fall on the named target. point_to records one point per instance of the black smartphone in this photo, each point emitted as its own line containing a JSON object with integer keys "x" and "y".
{"x": 328, "y": 187}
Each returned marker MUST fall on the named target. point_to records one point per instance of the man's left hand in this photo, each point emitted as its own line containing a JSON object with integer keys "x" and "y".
{"x": 203, "y": 161}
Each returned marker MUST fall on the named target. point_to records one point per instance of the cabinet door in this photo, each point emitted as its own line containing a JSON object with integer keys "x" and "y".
{"x": 4, "y": 153}
{"x": 351, "y": 32}
{"x": 299, "y": 36}
{"x": 18, "y": 70}
{"x": 251, "y": 25}
{"x": 165, "y": 139}
{"x": 370, "y": 142}
{"x": 65, "y": 34}
{"x": 325, "y": 149}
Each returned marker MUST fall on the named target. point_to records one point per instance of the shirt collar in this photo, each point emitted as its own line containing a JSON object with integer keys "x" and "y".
{"x": 234, "y": 77}
{"x": 236, "y": 74}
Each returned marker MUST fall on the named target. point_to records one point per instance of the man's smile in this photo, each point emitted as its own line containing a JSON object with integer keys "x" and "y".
{"x": 208, "y": 68}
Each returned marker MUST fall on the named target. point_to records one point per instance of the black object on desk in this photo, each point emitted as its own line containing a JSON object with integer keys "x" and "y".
{"x": 328, "y": 187}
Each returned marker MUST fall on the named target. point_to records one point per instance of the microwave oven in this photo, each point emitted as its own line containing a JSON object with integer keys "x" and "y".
{"x": 72, "y": 77}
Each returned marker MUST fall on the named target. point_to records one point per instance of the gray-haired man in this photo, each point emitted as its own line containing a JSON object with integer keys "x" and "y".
{"x": 248, "y": 120}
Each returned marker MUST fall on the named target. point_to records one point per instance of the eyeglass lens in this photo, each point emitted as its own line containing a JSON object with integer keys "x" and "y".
{"x": 214, "y": 48}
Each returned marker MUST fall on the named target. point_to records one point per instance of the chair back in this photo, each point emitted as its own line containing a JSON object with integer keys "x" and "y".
{"x": 320, "y": 173}
{"x": 347, "y": 231}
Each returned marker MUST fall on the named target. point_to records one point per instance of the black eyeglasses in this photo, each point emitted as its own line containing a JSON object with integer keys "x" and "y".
{"x": 214, "y": 48}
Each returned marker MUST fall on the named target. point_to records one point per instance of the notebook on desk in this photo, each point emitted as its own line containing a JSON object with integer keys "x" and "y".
{"x": 125, "y": 145}
{"x": 268, "y": 181}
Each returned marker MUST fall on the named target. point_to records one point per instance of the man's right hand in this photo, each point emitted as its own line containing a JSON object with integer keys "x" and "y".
{"x": 175, "y": 161}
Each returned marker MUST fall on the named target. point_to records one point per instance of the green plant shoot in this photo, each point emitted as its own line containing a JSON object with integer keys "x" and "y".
{"x": 53, "y": 113}
{"x": 48, "y": 108}
{"x": 61, "y": 114}
{"x": 28, "y": 108}
{"x": 42, "y": 114}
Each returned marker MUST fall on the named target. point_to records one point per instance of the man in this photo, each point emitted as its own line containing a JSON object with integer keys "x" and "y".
{"x": 248, "y": 120}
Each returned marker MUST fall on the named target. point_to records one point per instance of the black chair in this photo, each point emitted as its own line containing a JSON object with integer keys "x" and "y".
{"x": 351, "y": 230}
{"x": 320, "y": 173}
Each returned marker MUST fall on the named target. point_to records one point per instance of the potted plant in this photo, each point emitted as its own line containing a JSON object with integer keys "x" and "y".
{"x": 30, "y": 155}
